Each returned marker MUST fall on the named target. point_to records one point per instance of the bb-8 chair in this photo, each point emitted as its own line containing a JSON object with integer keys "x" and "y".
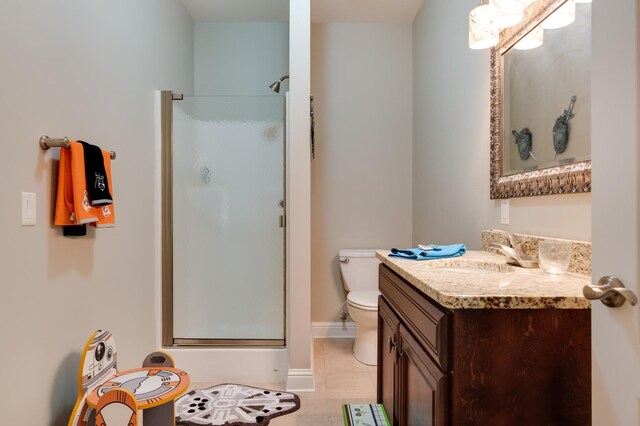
{"x": 98, "y": 364}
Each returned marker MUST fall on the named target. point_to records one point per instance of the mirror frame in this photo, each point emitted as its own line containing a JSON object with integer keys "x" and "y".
{"x": 561, "y": 179}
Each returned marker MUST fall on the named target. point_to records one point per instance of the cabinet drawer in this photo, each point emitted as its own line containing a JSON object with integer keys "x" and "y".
{"x": 427, "y": 320}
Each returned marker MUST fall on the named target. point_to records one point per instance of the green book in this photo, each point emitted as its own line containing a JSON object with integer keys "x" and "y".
{"x": 365, "y": 415}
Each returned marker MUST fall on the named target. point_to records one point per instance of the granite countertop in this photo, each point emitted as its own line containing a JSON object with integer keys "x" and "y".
{"x": 482, "y": 280}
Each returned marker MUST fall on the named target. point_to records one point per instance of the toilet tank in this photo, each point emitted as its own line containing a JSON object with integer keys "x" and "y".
{"x": 359, "y": 269}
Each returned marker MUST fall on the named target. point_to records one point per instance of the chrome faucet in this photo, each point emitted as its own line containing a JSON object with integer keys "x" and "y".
{"x": 513, "y": 252}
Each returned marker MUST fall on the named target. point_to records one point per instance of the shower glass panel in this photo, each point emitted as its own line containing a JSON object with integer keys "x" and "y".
{"x": 228, "y": 239}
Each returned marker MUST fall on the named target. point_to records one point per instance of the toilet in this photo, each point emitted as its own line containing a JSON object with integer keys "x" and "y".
{"x": 359, "y": 270}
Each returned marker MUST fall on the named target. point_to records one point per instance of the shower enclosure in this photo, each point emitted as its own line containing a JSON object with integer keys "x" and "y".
{"x": 223, "y": 220}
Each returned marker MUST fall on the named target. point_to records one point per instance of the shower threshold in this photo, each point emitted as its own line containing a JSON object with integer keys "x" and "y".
{"x": 273, "y": 343}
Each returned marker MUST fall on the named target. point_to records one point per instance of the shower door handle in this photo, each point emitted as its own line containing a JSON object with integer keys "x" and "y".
{"x": 283, "y": 221}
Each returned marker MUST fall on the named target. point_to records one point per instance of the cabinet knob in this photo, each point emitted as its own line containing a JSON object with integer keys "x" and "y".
{"x": 398, "y": 355}
{"x": 392, "y": 344}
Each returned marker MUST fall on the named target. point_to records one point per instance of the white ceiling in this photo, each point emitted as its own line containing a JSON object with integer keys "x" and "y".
{"x": 356, "y": 11}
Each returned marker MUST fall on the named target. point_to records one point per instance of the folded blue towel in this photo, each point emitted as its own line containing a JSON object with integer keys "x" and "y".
{"x": 440, "y": 252}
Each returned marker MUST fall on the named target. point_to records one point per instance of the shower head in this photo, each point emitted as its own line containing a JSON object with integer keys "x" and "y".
{"x": 275, "y": 86}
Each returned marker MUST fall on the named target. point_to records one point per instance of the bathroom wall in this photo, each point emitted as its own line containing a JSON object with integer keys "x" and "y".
{"x": 451, "y": 143}
{"x": 361, "y": 176}
{"x": 84, "y": 70}
{"x": 298, "y": 204}
{"x": 240, "y": 58}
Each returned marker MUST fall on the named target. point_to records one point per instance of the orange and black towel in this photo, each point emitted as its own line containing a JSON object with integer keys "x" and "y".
{"x": 83, "y": 211}
{"x": 64, "y": 214}
{"x": 96, "y": 175}
{"x": 72, "y": 203}
{"x": 73, "y": 207}
{"x": 107, "y": 213}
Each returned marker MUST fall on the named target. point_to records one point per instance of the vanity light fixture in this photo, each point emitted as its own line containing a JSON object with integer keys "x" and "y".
{"x": 509, "y": 13}
{"x": 487, "y": 19}
{"x": 482, "y": 32}
{"x": 565, "y": 15}
{"x": 532, "y": 40}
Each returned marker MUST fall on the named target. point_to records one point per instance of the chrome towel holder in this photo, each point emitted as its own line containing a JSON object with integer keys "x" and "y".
{"x": 46, "y": 142}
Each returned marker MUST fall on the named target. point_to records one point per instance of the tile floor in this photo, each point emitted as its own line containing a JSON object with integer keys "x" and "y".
{"x": 339, "y": 379}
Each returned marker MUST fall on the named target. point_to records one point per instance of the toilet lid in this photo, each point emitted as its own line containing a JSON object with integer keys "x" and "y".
{"x": 363, "y": 299}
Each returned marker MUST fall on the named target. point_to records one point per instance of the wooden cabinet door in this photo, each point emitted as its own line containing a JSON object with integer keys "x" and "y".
{"x": 387, "y": 348}
{"x": 422, "y": 399}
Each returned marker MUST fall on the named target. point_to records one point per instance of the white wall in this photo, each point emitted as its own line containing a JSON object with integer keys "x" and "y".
{"x": 84, "y": 70}
{"x": 240, "y": 58}
{"x": 451, "y": 143}
{"x": 361, "y": 176}
{"x": 298, "y": 231}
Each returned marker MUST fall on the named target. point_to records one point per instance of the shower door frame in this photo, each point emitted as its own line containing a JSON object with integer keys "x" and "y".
{"x": 167, "y": 98}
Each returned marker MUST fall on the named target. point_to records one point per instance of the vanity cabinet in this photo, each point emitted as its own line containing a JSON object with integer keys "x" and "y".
{"x": 440, "y": 366}
{"x": 388, "y": 324}
{"x": 422, "y": 385}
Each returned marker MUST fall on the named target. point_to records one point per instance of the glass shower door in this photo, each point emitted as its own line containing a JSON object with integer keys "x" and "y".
{"x": 228, "y": 239}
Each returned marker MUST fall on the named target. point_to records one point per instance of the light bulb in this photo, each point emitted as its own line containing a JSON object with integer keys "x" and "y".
{"x": 510, "y": 13}
{"x": 482, "y": 33}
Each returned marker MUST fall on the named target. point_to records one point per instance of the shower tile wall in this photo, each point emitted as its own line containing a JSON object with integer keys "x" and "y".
{"x": 240, "y": 58}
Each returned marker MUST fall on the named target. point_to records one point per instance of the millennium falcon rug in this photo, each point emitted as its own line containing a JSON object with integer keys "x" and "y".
{"x": 233, "y": 405}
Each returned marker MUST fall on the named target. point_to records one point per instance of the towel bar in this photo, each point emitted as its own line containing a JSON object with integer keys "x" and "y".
{"x": 46, "y": 142}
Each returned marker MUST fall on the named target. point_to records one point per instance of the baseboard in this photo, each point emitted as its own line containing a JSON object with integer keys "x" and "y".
{"x": 232, "y": 365}
{"x": 333, "y": 330}
{"x": 300, "y": 380}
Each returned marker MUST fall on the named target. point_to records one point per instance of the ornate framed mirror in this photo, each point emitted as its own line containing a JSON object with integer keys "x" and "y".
{"x": 541, "y": 107}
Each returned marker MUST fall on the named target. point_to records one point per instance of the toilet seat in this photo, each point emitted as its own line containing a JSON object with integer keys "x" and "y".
{"x": 367, "y": 300}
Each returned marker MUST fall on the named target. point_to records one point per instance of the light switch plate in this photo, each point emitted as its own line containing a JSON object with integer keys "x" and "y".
{"x": 504, "y": 212}
{"x": 28, "y": 209}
